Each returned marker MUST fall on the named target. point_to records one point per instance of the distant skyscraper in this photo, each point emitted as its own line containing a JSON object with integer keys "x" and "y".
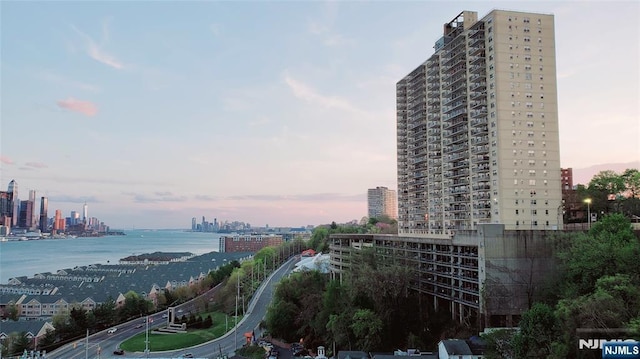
{"x": 59, "y": 224}
{"x": 5, "y": 210}
{"x": 15, "y": 202}
{"x": 85, "y": 214}
{"x": 74, "y": 218}
{"x": 33, "y": 219}
{"x": 25, "y": 219}
{"x": 382, "y": 201}
{"x": 194, "y": 225}
{"x": 44, "y": 219}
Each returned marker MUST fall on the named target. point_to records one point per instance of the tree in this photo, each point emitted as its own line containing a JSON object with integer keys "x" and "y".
{"x": 631, "y": 178}
{"x": 610, "y": 248}
{"x": 318, "y": 239}
{"x": 78, "y": 320}
{"x": 538, "y": 330}
{"x": 608, "y": 182}
{"x": 367, "y": 327}
{"x": 18, "y": 343}
{"x": 12, "y": 312}
{"x": 105, "y": 313}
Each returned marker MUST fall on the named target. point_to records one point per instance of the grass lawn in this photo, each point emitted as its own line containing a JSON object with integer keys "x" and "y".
{"x": 161, "y": 342}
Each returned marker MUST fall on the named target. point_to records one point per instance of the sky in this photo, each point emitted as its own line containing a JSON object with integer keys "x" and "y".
{"x": 278, "y": 113}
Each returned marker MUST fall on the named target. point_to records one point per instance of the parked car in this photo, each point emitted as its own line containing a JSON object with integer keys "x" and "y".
{"x": 118, "y": 351}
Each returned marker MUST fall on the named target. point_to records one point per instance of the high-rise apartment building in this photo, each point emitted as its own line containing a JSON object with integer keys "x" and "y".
{"x": 477, "y": 128}
{"x": 382, "y": 201}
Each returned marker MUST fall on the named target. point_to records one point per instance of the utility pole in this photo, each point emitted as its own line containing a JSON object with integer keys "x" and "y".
{"x": 236, "y": 320}
{"x": 86, "y": 346}
{"x": 146, "y": 338}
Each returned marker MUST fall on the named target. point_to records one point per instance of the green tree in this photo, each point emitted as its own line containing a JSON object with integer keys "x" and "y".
{"x": 608, "y": 182}
{"x": 631, "y": 178}
{"x": 280, "y": 318}
{"x": 47, "y": 341}
{"x": 610, "y": 248}
{"x": 538, "y": 330}
{"x": 319, "y": 237}
{"x": 11, "y": 312}
{"x": 78, "y": 320}
{"x": 19, "y": 342}
{"x": 367, "y": 327}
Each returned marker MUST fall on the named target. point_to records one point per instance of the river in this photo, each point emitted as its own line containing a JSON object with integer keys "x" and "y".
{"x": 26, "y": 258}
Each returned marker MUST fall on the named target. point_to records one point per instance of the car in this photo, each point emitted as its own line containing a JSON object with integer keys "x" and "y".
{"x": 187, "y": 355}
{"x": 118, "y": 351}
{"x": 139, "y": 325}
{"x": 112, "y": 330}
{"x": 165, "y": 316}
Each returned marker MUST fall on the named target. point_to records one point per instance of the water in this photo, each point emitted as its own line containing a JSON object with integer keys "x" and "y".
{"x": 26, "y": 258}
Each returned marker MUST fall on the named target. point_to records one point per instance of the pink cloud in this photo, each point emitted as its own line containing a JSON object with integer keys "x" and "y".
{"x": 36, "y": 164}
{"x": 84, "y": 107}
{"x": 6, "y": 160}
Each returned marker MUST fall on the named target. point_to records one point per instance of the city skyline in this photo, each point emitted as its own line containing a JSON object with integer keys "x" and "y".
{"x": 270, "y": 113}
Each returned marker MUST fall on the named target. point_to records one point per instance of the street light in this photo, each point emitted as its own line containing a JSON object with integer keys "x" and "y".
{"x": 588, "y": 202}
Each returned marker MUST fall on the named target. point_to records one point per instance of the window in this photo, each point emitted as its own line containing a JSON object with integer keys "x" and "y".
{"x": 532, "y": 182}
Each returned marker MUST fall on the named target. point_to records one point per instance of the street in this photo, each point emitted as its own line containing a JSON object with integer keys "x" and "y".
{"x": 102, "y": 345}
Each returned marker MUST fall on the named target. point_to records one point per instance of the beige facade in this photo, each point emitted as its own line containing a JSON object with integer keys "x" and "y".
{"x": 477, "y": 129}
{"x": 382, "y": 201}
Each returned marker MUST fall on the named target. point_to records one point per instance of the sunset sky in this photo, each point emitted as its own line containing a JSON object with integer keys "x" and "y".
{"x": 271, "y": 112}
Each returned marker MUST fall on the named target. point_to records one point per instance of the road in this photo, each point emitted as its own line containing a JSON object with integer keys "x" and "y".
{"x": 101, "y": 345}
